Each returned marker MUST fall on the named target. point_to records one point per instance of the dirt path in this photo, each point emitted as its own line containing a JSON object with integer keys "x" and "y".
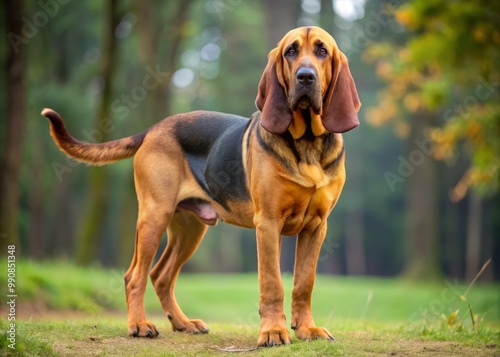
{"x": 78, "y": 334}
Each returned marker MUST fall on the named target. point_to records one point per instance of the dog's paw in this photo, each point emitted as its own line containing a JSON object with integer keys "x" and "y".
{"x": 193, "y": 327}
{"x": 275, "y": 336}
{"x": 143, "y": 329}
{"x": 308, "y": 333}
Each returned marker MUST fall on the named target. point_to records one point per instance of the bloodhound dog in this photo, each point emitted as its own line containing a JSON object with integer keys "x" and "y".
{"x": 280, "y": 171}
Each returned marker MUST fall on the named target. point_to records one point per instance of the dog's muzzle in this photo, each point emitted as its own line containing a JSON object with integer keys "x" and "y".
{"x": 306, "y": 93}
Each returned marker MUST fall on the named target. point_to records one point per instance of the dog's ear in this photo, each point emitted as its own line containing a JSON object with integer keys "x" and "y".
{"x": 341, "y": 103}
{"x": 276, "y": 115}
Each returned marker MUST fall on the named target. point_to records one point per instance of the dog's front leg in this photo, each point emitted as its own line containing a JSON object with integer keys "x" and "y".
{"x": 273, "y": 331}
{"x": 309, "y": 243}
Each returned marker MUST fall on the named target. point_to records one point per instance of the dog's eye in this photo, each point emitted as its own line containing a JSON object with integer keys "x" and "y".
{"x": 322, "y": 52}
{"x": 291, "y": 52}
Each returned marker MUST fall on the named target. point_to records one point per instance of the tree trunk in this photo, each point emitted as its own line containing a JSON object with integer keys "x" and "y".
{"x": 175, "y": 36}
{"x": 13, "y": 143}
{"x": 452, "y": 246}
{"x": 327, "y": 15}
{"x": 473, "y": 244}
{"x": 281, "y": 17}
{"x": 97, "y": 206}
{"x": 62, "y": 244}
{"x": 150, "y": 43}
{"x": 148, "y": 48}
{"x": 355, "y": 223}
{"x": 37, "y": 241}
{"x": 422, "y": 204}
{"x": 230, "y": 248}
{"x": 355, "y": 247}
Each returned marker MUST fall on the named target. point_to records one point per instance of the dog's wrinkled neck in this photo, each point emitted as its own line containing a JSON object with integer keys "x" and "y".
{"x": 308, "y": 134}
{"x": 309, "y": 147}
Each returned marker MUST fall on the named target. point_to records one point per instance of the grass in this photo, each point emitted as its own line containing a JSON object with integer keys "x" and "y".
{"x": 64, "y": 310}
{"x": 105, "y": 336}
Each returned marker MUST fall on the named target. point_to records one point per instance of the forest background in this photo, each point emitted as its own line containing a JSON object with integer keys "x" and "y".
{"x": 421, "y": 197}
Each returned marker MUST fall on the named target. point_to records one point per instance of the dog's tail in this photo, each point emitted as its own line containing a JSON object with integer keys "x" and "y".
{"x": 89, "y": 153}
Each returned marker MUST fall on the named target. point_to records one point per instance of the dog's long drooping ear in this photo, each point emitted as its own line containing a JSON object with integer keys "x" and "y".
{"x": 341, "y": 103}
{"x": 271, "y": 99}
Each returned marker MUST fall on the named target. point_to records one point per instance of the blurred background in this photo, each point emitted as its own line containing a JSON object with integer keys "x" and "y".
{"x": 421, "y": 197}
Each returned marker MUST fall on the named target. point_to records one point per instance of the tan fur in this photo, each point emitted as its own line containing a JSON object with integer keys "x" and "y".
{"x": 93, "y": 154}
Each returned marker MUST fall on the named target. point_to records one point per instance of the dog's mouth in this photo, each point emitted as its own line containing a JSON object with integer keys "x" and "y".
{"x": 303, "y": 102}
{"x": 306, "y": 102}
{"x": 305, "y": 97}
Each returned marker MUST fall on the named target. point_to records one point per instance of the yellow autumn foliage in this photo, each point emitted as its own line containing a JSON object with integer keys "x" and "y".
{"x": 452, "y": 51}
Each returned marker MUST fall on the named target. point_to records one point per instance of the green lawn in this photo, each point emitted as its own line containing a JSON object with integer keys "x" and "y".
{"x": 66, "y": 310}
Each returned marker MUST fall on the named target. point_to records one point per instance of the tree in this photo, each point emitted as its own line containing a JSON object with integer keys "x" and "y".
{"x": 155, "y": 32}
{"x": 97, "y": 207}
{"x": 446, "y": 70}
{"x": 287, "y": 12}
{"x": 449, "y": 67}
{"x": 423, "y": 256}
{"x": 13, "y": 143}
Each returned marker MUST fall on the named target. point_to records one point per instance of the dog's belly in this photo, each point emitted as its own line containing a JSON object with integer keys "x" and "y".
{"x": 240, "y": 213}
{"x": 200, "y": 208}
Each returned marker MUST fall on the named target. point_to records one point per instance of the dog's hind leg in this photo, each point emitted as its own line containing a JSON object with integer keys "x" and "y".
{"x": 150, "y": 227}
{"x": 184, "y": 233}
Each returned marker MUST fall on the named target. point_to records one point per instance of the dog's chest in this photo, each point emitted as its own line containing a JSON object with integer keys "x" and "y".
{"x": 309, "y": 211}
{"x": 311, "y": 168}
{"x": 312, "y": 175}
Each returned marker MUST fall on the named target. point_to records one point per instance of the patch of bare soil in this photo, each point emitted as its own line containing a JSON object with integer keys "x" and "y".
{"x": 439, "y": 348}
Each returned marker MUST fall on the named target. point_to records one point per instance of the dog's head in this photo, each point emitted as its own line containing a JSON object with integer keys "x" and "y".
{"x": 307, "y": 72}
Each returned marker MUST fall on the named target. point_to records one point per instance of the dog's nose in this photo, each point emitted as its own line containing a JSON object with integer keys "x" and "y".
{"x": 306, "y": 76}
